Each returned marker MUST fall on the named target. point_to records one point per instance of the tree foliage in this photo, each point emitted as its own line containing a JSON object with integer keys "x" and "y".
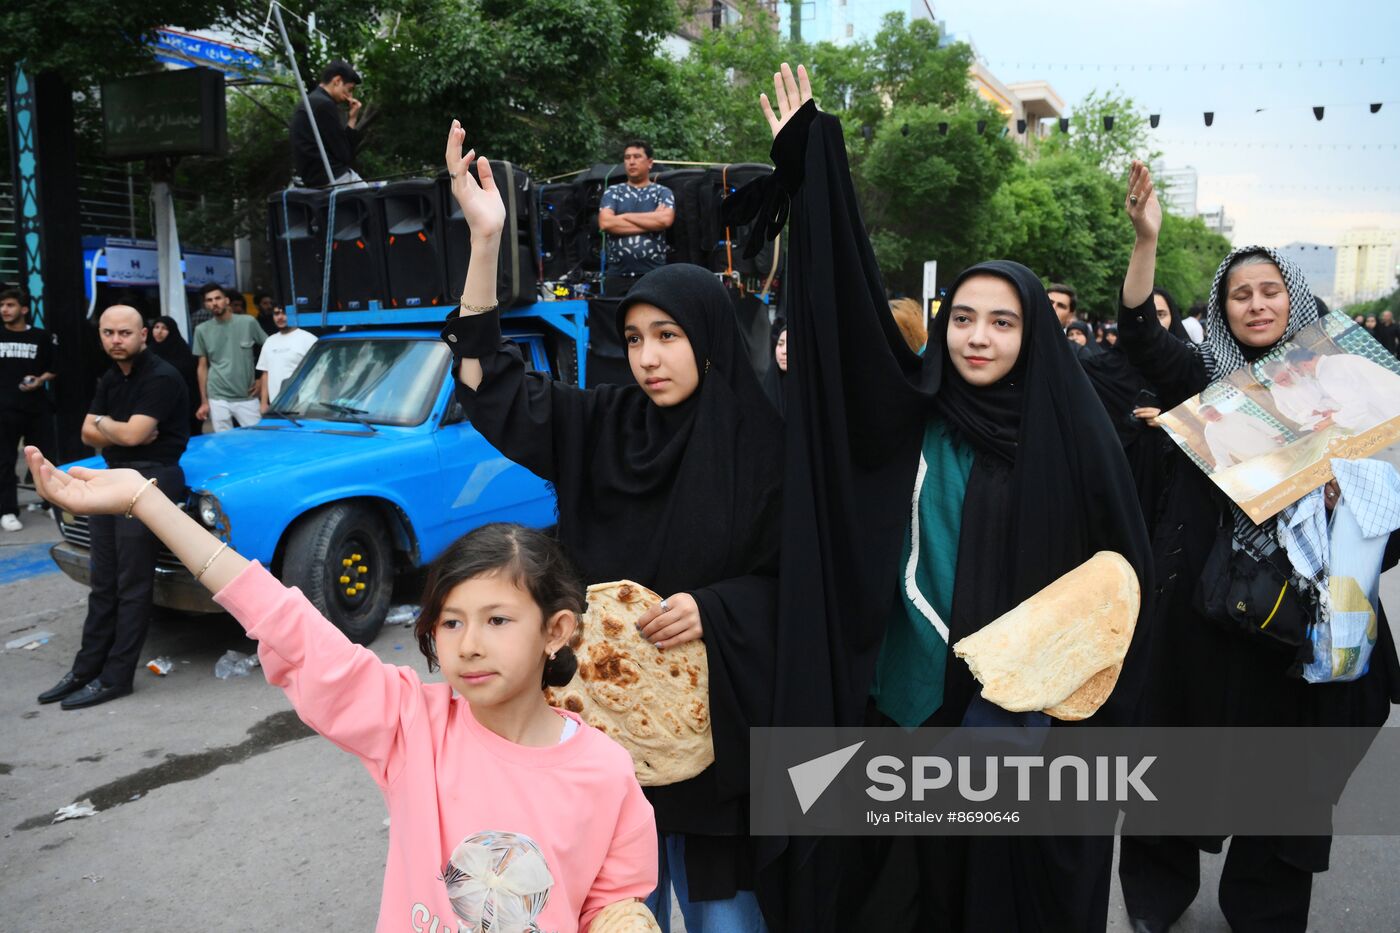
{"x": 556, "y": 85}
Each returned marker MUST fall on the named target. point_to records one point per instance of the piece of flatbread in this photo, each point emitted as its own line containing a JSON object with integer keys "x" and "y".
{"x": 1062, "y": 649}
{"x": 629, "y": 916}
{"x": 655, "y": 703}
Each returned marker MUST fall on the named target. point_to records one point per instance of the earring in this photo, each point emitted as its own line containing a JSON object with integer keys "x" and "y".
{"x": 552, "y": 654}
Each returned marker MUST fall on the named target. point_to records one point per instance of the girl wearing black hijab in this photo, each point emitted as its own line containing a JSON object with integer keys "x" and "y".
{"x": 990, "y": 458}
{"x": 1236, "y": 678}
{"x": 672, "y": 481}
{"x": 167, "y": 344}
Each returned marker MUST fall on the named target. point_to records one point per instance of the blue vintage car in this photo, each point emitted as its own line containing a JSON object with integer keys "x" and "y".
{"x": 368, "y": 468}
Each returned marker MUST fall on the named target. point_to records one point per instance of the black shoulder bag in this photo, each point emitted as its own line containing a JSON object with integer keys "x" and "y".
{"x": 1254, "y": 596}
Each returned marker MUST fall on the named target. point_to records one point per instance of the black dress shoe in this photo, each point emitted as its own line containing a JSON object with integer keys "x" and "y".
{"x": 94, "y": 693}
{"x": 68, "y": 685}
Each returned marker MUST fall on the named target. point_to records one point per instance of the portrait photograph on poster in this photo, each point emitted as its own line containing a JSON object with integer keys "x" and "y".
{"x": 1265, "y": 433}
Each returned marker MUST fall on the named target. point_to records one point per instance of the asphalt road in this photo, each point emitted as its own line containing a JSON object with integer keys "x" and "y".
{"x": 218, "y": 810}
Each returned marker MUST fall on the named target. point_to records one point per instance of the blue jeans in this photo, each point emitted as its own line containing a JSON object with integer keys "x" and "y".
{"x": 738, "y": 914}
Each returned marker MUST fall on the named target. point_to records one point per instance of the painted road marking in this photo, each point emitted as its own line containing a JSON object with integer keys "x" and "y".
{"x": 24, "y": 561}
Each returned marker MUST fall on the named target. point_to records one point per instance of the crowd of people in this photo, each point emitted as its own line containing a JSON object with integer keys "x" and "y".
{"x": 828, "y": 533}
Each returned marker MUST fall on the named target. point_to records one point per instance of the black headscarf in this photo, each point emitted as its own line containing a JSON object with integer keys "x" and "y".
{"x": 1091, "y": 345}
{"x": 773, "y": 377}
{"x": 682, "y": 496}
{"x": 173, "y": 349}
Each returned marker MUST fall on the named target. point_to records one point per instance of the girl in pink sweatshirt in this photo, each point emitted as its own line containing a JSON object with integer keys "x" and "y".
{"x": 505, "y": 814}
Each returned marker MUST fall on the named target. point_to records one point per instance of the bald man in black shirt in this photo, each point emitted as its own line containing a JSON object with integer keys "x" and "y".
{"x": 138, "y": 419}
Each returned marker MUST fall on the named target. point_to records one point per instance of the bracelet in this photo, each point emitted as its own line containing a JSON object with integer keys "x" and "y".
{"x": 479, "y": 309}
{"x": 212, "y": 557}
{"x": 147, "y": 485}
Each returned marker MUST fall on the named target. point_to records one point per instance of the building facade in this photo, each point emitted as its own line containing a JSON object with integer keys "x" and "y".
{"x": 844, "y": 21}
{"x": 1367, "y": 263}
{"x": 1179, "y": 187}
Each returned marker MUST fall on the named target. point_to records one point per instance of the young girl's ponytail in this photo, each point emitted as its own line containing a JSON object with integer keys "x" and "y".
{"x": 560, "y": 669}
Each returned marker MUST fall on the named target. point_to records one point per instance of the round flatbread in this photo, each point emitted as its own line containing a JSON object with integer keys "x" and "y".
{"x": 655, "y": 703}
{"x": 629, "y": 916}
{"x": 1062, "y": 649}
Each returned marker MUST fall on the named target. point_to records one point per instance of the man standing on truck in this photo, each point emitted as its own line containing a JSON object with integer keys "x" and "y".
{"x": 338, "y": 82}
{"x": 635, "y": 215}
{"x": 139, "y": 419}
{"x": 227, "y": 347}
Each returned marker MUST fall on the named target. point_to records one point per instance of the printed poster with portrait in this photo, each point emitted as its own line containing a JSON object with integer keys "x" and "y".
{"x": 1265, "y": 434}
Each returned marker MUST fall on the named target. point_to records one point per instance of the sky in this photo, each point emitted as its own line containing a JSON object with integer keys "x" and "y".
{"x": 1313, "y": 192}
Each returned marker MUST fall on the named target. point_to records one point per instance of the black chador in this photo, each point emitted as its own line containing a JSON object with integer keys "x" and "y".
{"x": 1048, "y": 486}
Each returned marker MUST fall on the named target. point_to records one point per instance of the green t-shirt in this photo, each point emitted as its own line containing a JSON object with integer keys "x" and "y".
{"x": 909, "y": 675}
{"x": 232, "y": 348}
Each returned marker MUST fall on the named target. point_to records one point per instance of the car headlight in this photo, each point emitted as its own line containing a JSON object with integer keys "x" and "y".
{"x": 209, "y": 510}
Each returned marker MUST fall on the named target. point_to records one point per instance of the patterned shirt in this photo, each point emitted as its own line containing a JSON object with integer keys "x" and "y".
{"x": 642, "y": 252}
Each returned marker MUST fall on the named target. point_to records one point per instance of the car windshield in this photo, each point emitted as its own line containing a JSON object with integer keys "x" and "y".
{"x": 380, "y": 380}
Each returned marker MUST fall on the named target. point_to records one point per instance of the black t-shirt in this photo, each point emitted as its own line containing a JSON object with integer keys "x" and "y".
{"x": 153, "y": 388}
{"x": 24, "y": 353}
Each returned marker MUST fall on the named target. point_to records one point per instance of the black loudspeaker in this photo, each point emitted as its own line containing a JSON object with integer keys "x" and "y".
{"x": 607, "y": 356}
{"x": 588, "y": 192}
{"x": 728, "y": 253}
{"x": 296, "y": 238}
{"x": 517, "y": 271}
{"x": 683, "y": 240}
{"x": 413, "y": 246}
{"x": 558, "y": 225}
{"x": 357, "y": 255}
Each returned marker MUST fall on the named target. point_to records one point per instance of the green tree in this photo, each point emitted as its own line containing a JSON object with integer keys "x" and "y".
{"x": 1110, "y": 148}
{"x": 89, "y": 40}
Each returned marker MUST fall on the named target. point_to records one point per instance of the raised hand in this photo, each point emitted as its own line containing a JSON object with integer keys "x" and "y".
{"x": 83, "y": 491}
{"x": 482, "y": 207}
{"x": 1144, "y": 210}
{"x": 789, "y": 92}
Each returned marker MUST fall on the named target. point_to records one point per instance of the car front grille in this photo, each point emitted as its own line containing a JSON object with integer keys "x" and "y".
{"x": 74, "y": 529}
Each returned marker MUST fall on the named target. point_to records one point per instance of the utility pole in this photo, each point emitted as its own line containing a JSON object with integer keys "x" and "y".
{"x": 795, "y": 20}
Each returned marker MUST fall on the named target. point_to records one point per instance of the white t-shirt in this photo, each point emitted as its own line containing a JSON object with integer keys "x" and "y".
{"x": 281, "y": 355}
{"x": 1194, "y": 330}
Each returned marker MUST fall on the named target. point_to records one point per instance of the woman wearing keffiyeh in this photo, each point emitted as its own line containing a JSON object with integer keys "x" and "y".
{"x": 1203, "y": 673}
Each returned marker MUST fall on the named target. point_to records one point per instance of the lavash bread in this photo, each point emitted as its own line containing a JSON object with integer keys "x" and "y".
{"x": 655, "y": 703}
{"x": 629, "y": 916}
{"x": 1062, "y": 649}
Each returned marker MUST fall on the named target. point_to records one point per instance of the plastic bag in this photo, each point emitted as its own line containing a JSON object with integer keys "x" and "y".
{"x": 235, "y": 664}
{"x": 402, "y": 615}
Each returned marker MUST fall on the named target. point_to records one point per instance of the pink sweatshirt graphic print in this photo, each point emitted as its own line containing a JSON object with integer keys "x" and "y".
{"x": 530, "y": 839}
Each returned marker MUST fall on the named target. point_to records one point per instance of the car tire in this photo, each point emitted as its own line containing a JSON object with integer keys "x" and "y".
{"x": 334, "y": 550}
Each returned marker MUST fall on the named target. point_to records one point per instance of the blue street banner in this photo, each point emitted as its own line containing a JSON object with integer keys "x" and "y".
{"x": 181, "y": 48}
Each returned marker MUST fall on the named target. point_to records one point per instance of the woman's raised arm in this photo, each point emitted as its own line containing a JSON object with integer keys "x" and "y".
{"x": 485, "y": 214}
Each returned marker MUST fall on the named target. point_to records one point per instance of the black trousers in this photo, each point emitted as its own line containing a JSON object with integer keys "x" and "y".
{"x": 16, "y": 425}
{"x": 1259, "y": 891}
{"x": 122, "y": 563}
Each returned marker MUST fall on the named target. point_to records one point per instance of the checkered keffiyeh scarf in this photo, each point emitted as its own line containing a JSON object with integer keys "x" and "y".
{"x": 1222, "y": 355}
